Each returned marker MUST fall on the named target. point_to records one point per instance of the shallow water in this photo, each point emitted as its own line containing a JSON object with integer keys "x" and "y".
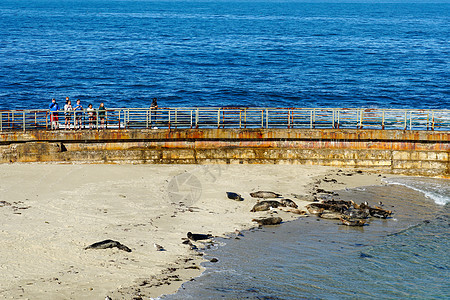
{"x": 402, "y": 257}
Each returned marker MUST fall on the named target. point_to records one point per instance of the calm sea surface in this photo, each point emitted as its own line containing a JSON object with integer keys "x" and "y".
{"x": 224, "y": 53}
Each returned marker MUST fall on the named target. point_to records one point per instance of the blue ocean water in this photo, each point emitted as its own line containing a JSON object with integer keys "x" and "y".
{"x": 224, "y": 53}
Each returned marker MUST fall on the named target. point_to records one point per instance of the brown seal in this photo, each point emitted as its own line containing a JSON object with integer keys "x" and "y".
{"x": 268, "y": 221}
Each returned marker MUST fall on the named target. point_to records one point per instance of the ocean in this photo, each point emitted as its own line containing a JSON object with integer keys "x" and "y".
{"x": 224, "y": 53}
{"x": 264, "y": 54}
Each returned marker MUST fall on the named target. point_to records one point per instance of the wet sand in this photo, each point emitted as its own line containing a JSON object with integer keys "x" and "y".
{"x": 50, "y": 213}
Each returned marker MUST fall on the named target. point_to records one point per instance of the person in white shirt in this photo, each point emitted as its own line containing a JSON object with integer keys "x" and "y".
{"x": 67, "y": 112}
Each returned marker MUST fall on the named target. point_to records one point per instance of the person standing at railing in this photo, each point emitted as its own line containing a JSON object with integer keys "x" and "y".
{"x": 78, "y": 114}
{"x": 153, "y": 108}
{"x": 54, "y": 107}
{"x": 67, "y": 112}
{"x": 91, "y": 116}
{"x": 102, "y": 114}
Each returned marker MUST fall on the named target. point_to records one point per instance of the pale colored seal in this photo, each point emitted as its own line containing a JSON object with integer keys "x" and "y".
{"x": 266, "y": 205}
{"x": 268, "y": 221}
{"x": 264, "y": 194}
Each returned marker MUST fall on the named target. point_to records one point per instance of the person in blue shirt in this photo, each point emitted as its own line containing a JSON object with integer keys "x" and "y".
{"x": 54, "y": 107}
{"x": 78, "y": 114}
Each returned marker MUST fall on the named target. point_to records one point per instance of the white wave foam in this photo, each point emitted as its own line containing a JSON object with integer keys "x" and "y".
{"x": 433, "y": 188}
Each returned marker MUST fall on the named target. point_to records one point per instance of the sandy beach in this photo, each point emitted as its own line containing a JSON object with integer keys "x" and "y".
{"x": 51, "y": 212}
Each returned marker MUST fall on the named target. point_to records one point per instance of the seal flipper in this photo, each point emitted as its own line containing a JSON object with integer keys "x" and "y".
{"x": 123, "y": 247}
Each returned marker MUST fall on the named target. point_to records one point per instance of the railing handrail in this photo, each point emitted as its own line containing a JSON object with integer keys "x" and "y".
{"x": 229, "y": 117}
{"x": 215, "y": 108}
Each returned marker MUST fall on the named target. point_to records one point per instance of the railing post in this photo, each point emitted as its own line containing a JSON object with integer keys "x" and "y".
{"x": 196, "y": 118}
{"x": 289, "y": 118}
{"x": 245, "y": 118}
{"x": 240, "y": 120}
{"x": 262, "y": 118}
{"x": 168, "y": 113}
{"x": 382, "y": 121}
{"x": 410, "y": 120}
{"x": 218, "y": 119}
{"x": 176, "y": 117}
{"x": 96, "y": 119}
{"x": 332, "y": 122}
{"x": 432, "y": 121}
{"x": 338, "y": 118}
{"x": 406, "y": 118}
{"x": 361, "y": 112}
{"x": 191, "y": 117}
{"x": 1, "y": 122}
{"x": 267, "y": 118}
{"x": 24, "y": 123}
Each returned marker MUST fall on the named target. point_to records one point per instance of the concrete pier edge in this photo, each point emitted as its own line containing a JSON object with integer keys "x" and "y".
{"x": 396, "y": 151}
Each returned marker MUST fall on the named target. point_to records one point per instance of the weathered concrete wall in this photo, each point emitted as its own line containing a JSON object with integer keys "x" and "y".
{"x": 407, "y": 152}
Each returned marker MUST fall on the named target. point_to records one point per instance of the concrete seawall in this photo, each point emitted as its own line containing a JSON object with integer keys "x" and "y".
{"x": 395, "y": 151}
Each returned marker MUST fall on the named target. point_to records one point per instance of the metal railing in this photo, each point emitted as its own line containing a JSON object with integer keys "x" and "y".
{"x": 214, "y": 117}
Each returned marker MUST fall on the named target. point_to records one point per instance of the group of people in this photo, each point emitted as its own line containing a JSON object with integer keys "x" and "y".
{"x": 77, "y": 114}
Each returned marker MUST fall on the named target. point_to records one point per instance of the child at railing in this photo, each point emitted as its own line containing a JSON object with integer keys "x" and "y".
{"x": 102, "y": 114}
{"x": 91, "y": 116}
{"x": 78, "y": 114}
{"x": 67, "y": 111}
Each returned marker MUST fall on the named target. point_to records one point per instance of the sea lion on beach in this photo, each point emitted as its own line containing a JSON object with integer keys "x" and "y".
{"x": 352, "y": 222}
{"x": 296, "y": 211}
{"x": 264, "y": 194}
{"x": 332, "y": 215}
{"x": 268, "y": 221}
{"x": 234, "y": 196}
{"x": 198, "y": 236}
{"x": 338, "y": 202}
{"x": 108, "y": 244}
{"x": 317, "y": 208}
{"x": 313, "y": 209}
{"x": 266, "y": 205}
{"x": 356, "y": 213}
{"x": 289, "y": 203}
{"x": 379, "y": 213}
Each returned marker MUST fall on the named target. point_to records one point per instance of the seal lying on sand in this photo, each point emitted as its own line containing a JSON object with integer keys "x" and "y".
{"x": 266, "y": 205}
{"x": 198, "y": 236}
{"x": 356, "y": 213}
{"x": 234, "y": 196}
{"x": 268, "y": 221}
{"x": 378, "y": 212}
{"x": 264, "y": 194}
{"x": 352, "y": 222}
{"x": 288, "y": 203}
{"x": 108, "y": 244}
{"x": 330, "y": 215}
